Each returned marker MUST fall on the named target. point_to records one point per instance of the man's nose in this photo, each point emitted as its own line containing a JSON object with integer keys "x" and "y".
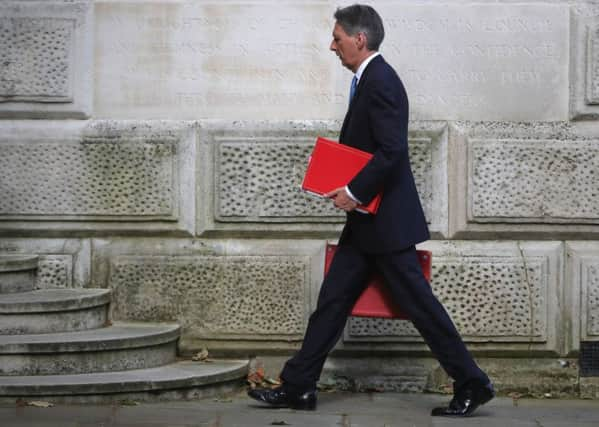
{"x": 333, "y": 47}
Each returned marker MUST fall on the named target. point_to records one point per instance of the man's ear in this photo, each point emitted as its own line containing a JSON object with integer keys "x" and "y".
{"x": 361, "y": 40}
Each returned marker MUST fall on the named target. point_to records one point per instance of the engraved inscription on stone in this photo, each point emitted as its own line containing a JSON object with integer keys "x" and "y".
{"x": 205, "y": 59}
{"x": 480, "y": 62}
{"x": 215, "y": 59}
{"x": 592, "y": 85}
{"x": 592, "y": 302}
{"x": 500, "y": 298}
{"x": 541, "y": 181}
{"x": 251, "y": 296}
{"x": 97, "y": 178}
{"x": 36, "y": 59}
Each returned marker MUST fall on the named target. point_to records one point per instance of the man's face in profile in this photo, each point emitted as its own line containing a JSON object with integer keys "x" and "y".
{"x": 346, "y": 47}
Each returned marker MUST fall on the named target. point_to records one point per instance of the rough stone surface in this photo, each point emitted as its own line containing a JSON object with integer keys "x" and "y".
{"x": 246, "y": 296}
{"x": 96, "y": 179}
{"x": 42, "y": 323}
{"x": 582, "y": 274}
{"x": 584, "y": 58}
{"x": 229, "y": 291}
{"x": 117, "y": 348}
{"x": 589, "y": 388}
{"x": 495, "y": 292}
{"x": 97, "y": 171}
{"x": 54, "y": 76}
{"x": 524, "y": 180}
{"x": 63, "y": 263}
{"x": 12, "y": 263}
{"x": 540, "y": 181}
{"x": 21, "y": 281}
{"x": 407, "y": 375}
{"x": 17, "y": 273}
{"x": 53, "y": 310}
{"x": 55, "y": 271}
{"x": 258, "y": 171}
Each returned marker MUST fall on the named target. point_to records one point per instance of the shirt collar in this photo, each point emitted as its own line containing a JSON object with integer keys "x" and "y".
{"x": 363, "y": 65}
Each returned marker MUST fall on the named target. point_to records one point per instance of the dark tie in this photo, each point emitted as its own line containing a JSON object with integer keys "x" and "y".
{"x": 352, "y": 89}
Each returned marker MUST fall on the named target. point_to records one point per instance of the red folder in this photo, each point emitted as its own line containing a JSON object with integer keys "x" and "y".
{"x": 333, "y": 165}
{"x": 376, "y": 300}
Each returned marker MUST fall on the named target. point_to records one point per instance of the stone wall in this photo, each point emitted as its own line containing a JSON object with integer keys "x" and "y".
{"x": 156, "y": 147}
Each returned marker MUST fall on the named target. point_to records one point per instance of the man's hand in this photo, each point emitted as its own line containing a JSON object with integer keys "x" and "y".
{"x": 342, "y": 200}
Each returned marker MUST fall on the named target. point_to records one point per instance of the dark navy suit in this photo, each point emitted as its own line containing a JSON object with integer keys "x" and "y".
{"x": 377, "y": 122}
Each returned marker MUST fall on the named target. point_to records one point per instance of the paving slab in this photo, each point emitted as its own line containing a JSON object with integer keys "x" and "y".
{"x": 334, "y": 410}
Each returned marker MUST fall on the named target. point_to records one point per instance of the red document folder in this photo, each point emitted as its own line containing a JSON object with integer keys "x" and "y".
{"x": 333, "y": 165}
{"x": 376, "y": 300}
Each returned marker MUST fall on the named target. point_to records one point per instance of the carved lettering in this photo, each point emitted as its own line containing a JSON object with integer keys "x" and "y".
{"x": 220, "y": 59}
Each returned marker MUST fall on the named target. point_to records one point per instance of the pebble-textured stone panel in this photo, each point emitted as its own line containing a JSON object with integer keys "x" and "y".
{"x": 99, "y": 178}
{"x": 593, "y": 300}
{"x": 421, "y": 161}
{"x": 592, "y": 84}
{"x": 485, "y": 298}
{"x": 36, "y": 59}
{"x": 376, "y": 327}
{"x": 213, "y": 295}
{"x": 54, "y": 271}
{"x": 261, "y": 180}
{"x": 546, "y": 181}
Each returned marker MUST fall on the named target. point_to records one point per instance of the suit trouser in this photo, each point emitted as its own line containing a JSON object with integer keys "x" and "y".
{"x": 347, "y": 277}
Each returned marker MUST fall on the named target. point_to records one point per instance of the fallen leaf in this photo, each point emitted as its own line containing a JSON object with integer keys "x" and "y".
{"x": 272, "y": 381}
{"x": 279, "y": 423}
{"x": 40, "y": 404}
{"x": 515, "y": 396}
{"x": 256, "y": 376}
{"x": 128, "y": 402}
{"x": 202, "y": 356}
{"x": 223, "y": 400}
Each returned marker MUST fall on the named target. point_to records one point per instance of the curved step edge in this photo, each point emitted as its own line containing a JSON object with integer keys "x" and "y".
{"x": 53, "y": 300}
{"x": 14, "y": 263}
{"x": 119, "y": 336}
{"x": 176, "y": 377}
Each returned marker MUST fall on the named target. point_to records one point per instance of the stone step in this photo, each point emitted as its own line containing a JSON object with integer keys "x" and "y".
{"x": 53, "y": 310}
{"x": 184, "y": 379}
{"x": 120, "y": 347}
{"x": 17, "y": 273}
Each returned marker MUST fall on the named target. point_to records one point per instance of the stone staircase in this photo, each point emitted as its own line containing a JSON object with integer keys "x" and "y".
{"x": 58, "y": 344}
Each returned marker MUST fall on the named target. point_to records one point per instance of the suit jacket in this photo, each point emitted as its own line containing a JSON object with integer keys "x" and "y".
{"x": 377, "y": 122}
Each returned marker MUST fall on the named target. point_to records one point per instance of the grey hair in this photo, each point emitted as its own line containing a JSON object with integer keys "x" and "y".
{"x": 359, "y": 18}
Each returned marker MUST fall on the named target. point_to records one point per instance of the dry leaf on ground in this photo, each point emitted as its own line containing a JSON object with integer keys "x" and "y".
{"x": 128, "y": 402}
{"x": 201, "y": 356}
{"x": 40, "y": 404}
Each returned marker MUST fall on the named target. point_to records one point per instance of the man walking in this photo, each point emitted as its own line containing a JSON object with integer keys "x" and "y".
{"x": 377, "y": 122}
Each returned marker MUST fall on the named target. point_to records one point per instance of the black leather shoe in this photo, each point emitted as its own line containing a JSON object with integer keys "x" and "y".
{"x": 280, "y": 398}
{"x": 466, "y": 400}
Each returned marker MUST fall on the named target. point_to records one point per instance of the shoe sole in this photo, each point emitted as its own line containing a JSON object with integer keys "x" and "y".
{"x": 298, "y": 407}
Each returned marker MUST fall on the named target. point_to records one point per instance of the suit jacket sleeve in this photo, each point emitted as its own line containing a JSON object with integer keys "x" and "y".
{"x": 388, "y": 125}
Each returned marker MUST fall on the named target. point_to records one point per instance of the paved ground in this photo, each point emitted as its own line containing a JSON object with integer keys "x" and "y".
{"x": 334, "y": 410}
